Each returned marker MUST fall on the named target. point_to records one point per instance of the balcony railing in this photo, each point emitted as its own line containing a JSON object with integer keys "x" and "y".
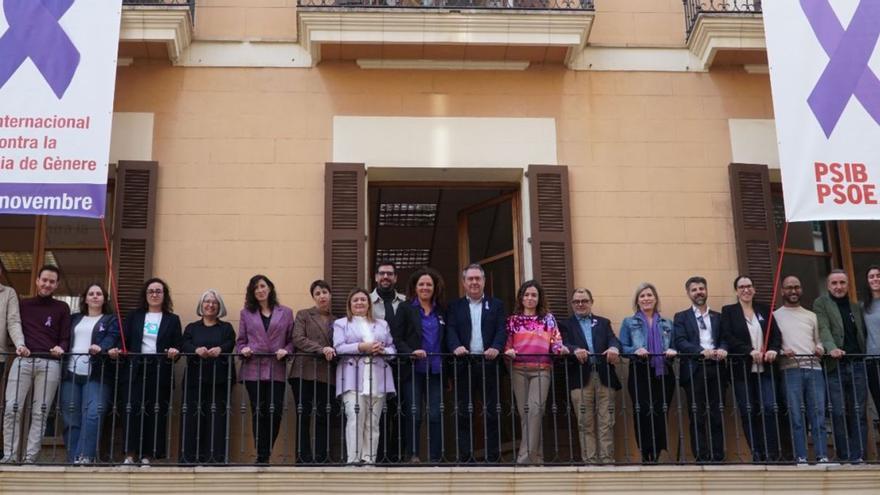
{"x": 453, "y": 4}
{"x": 163, "y": 3}
{"x": 196, "y": 411}
{"x": 694, "y": 8}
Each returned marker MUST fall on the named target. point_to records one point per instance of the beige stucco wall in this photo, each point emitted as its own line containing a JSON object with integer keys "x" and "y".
{"x": 618, "y": 22}
{"x": 241, "y": 155}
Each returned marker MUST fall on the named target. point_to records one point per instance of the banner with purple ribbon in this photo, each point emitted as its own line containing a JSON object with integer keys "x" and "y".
{"x": 57, "y": 80}
{"x": 824, "y": 65}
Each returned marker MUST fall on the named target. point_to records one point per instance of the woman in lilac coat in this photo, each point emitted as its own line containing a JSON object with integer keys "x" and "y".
{"x": 265, "y": 338}
{"x": 363, "y": 377}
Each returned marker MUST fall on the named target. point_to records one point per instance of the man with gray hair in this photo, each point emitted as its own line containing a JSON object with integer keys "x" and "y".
{"x": 476, "y": 333}
{"x": 11, "y": 336}
{"x": 842, "y": 330}
{"x": 591, "y": 377}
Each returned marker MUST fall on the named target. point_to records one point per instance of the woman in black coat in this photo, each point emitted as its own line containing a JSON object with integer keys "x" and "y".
{"x": 152, "y": 337}
{"x": 743, "y": 327}
{"x": 207, "y": 384}
{"x": 418, "y": 331}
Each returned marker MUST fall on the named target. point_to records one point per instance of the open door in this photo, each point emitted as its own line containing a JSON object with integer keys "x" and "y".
{"x": 488, "y": 234}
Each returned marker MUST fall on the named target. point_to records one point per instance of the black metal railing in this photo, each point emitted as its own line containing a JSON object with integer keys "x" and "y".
{"x": 694, "y": 8}
{"x": 150, "y": 408}
{"x": 164, "y": 3}
{"x": 453, "y": 4}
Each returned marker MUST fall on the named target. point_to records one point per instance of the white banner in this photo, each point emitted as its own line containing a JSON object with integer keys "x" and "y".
{"x": 824, "y": 67}
{"x": 57, "y": 77}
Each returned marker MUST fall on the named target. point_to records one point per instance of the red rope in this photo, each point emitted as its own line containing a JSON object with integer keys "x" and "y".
{"x": 775, "y": 287}
{"x": 113, "y": 292}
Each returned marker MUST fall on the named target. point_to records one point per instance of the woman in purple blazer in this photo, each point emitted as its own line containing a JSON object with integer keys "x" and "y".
{"x": 265, "y": 338}
{"x": 363, "y": 377}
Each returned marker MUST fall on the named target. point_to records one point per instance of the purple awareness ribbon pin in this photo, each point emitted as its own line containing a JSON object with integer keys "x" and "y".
{"x": 34, "y": 33}
{"x": 847, "y": 73}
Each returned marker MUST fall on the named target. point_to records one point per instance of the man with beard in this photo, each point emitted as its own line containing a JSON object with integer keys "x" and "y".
{"x": 386, "y": 300}
{"x": 801, "y": 370}
{"x": 842, "y": 329}
{"x": 703, "y": 374}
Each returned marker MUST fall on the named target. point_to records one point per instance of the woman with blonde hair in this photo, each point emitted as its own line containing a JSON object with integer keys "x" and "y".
{"x": 363, "y": 377}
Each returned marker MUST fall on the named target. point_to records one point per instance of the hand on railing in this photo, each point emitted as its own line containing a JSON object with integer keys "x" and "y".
{"x": 246, "y": 352}
{"x": 23, "y": 351}
{"x": 373, "y": 348}
{"x": 280, "y": 354}
{"x": 419, "y": 354}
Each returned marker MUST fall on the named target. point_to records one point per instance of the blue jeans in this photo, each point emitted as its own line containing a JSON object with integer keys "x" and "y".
{"x": 805, "y": 393}
{"x": 847, "y": 391}
{"x": 83, "y": 404}
{"x": 413, "y": 394}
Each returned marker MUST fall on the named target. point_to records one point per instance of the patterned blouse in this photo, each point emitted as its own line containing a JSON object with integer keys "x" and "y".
{"x": 533, "y": 335}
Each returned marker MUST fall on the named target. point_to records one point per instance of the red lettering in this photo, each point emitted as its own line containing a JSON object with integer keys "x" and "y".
{"x": 870, "y": 196}
{"x": 821, "y": 169}
{"x": 860, "y": 173}
{"x": 824, "y": 190}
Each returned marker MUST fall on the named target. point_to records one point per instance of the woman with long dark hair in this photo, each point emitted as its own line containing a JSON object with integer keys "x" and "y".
{"x": 871, "y": 304}
{"x": 264, "y": 340}
{"x": 418, "y": 330}
{"x": 532, "y": 337}
{"x": 152, "y": 336}
{"x": 87, "y": 378}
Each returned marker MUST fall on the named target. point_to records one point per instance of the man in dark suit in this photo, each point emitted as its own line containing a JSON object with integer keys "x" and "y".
{"x": 696, "y": 335}
{"x": 595, "y": 347}
{"x": 476, "y": 333}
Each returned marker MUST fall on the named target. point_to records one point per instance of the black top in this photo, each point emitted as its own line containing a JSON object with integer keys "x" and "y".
{"x": 266, "y": 320}
{"x": 850, "y": 340}
{"x": 211, "y": 370}
{"x": 735, "y": 335}
{"x": 603, "y": 338}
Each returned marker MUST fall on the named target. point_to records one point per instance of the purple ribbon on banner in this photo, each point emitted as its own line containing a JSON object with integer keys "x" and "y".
{"x": 34, "y": 33}
{"x": 847, "y": 72}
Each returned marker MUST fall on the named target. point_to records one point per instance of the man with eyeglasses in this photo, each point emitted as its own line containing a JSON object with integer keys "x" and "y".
{"x": 842, "y": 329}
{"x": 45, "y": 323}
{"x": 386, "y": 300}
{"x": 595, "y": 348}
{"x": 802, "y": 370}
{"x": 696, "y": 336}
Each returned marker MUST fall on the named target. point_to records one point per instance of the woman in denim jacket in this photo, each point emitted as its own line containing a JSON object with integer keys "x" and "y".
{"x": 646, "y": 336}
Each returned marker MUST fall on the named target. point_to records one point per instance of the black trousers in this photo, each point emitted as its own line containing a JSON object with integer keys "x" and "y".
{"x": 204, "y": 423}
{"x": 477, "y": 380}
{"x": 651, "y": 396}
{"x": 314, "y": 400}
{"x": 145, "y": 403}
{"x": 267, "y": 407}
{"x": 705, "y": 399}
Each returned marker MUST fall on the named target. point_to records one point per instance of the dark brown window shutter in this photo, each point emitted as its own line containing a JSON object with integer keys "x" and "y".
{"x": 753, "y": 224}
{"x": 135, "y": 214}
{"x": 344, "y": 227}
{"x": 551, "y": 234}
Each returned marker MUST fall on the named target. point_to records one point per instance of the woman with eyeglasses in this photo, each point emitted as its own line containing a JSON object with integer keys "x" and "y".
{"x": 744, "y": 328}
{"x": 152, "y": 336}
{"x": 207, "y": 384}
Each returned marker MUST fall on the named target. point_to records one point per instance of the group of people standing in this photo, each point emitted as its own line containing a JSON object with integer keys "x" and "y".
{"x": 392, "y": 345}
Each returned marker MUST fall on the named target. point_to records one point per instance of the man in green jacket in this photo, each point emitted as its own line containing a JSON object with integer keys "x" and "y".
{"x": 842, "y": 330}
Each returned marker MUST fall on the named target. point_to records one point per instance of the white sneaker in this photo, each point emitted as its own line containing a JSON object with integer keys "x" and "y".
{"x": 128, "y": 460}
{"x": 802, "y": 461}
{"x": 145, "y": 462}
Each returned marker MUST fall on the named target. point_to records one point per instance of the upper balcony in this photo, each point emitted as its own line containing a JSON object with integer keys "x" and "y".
{"x": 156, "y": 29}
{"x": 726, "y": 32}
{"x": 461, "y": 34}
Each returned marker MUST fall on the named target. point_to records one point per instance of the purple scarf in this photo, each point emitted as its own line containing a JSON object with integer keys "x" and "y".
{"x": 655, "y": 343}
